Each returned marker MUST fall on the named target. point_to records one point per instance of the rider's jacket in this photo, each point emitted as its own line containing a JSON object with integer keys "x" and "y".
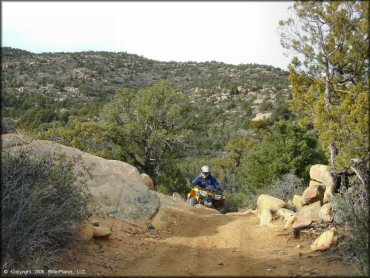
{"x": 204, "y": 182}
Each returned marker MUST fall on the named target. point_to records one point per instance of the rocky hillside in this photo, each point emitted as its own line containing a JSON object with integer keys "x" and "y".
{"x": 66, "y": 82}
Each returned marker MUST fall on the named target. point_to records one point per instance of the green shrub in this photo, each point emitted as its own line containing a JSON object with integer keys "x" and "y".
{"x": 172, "y": 180}
{"x": 240, "y": 200}
{"x": 351, "y": 210}
{"x": 266, "y": 105}
{"x": 288, "y": 148}
{"x": 247, "y": 198}
{"x": 41, "y": 199}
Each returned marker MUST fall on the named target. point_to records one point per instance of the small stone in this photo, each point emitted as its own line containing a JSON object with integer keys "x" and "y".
{"x": 95, "y": 223}
{"x": 325, "y": 240}
{"x": 101, "y": 232}
{"x": 84, "y": 230}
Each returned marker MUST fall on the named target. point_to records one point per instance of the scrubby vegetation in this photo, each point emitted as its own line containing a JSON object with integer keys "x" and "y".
{"x": 41, "y": 198}
{"x": 351, "y": 209}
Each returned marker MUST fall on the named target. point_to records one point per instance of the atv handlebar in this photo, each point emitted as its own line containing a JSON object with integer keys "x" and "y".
{"x": 210, "y": 188}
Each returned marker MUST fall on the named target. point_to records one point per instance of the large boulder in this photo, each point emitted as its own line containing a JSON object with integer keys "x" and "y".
{"x": 321, "y": 173}
{"x": 326, "y": 212}
{"x": 265, "y": 217}
{"x": 173, "y": 201}
{"x": 328, "y": 195}
{"x": 314, "y": 192}
{"x": 148, "y": 181}
{"x": 267, "y": 202}
{"x": 117, "y": 188}
{"x": 308, "y": 214}
{"x": 325, "y": 240}
{"x": 300, "y": 223}
{"x": 297, "y": 201}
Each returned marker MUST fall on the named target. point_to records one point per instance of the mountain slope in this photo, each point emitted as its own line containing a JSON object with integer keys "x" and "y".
{"x": 59, "y": 85}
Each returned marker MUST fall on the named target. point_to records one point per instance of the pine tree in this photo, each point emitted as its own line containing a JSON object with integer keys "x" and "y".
{"x": 151, "y": 125}
{"x": 329, "y": 76}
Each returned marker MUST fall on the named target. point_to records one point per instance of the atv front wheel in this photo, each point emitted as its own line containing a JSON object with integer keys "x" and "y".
{"x": 192, "y": 201}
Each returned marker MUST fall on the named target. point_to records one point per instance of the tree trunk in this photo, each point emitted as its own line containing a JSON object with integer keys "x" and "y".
{"x": 357, "y": 167}
{"x": 150, "y": 170}
{"x": 333, "y": 172}
{"x": 327, "y": 93}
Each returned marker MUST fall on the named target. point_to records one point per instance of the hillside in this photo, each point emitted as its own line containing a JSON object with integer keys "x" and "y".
{"x": 47, "y": 87}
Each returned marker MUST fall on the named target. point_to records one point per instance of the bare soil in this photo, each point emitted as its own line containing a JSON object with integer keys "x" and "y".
{"x": 202, "y": 243}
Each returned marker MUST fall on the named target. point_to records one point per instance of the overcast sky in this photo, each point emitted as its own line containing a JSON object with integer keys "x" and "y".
{"x": 229, "y": 32}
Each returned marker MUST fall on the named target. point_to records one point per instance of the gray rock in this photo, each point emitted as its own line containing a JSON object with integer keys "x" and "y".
{"x": 148, "y": 181}
{"x": 117, "y": 187}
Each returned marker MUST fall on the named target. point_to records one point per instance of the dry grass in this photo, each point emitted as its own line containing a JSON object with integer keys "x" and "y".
{"x": 41, "y": 198}
{"x": 351, "y": 210}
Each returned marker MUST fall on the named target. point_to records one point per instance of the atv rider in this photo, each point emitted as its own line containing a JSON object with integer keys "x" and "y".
{"x": 205, "y": 179}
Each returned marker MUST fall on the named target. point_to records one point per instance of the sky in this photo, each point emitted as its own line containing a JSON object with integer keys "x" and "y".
{"x": 239, "y": 32}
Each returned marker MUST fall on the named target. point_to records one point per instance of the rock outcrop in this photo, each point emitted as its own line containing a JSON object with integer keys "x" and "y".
{"x": 314, "y": 192}
{"x": 314, "y": 206}
{"x": 266, "y": 202}
{"x": 321, "y": 173}
{"x": 117, "y": 188}
{"x": 310, "y": 212}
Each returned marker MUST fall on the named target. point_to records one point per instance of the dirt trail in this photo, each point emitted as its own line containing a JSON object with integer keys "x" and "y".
{"x": 197, "y": 243}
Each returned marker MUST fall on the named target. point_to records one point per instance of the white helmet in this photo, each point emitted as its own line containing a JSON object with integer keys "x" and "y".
{"x": 205, "y": 171}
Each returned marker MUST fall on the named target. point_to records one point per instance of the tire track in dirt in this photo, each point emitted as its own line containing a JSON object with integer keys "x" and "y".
{"x": 232, "y": 245}
{"x": 204, "y": 243}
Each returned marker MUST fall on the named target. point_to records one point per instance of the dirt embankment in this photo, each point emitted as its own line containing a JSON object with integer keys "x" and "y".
{"x": 201, "y": 242}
